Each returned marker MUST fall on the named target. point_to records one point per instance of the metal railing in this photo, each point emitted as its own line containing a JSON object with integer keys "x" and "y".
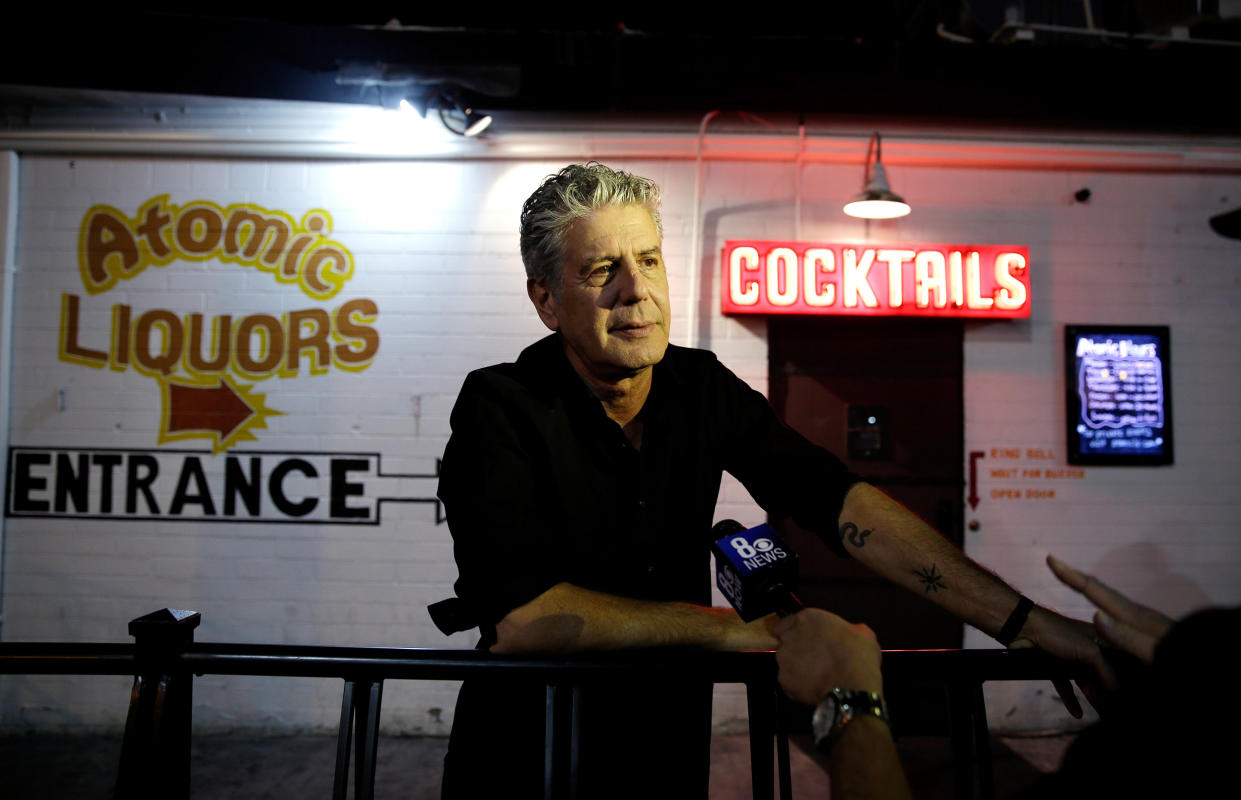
{"x": 155, "y": 755}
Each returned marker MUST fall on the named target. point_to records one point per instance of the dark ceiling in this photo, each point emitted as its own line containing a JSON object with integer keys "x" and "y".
{"x": 947, "y": 60}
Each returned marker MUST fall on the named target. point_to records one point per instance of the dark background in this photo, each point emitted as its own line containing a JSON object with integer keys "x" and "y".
{"x": 1021, "y": 62}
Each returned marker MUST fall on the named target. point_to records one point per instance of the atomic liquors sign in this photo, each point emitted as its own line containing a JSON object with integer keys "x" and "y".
{"x": 254, "y": 297}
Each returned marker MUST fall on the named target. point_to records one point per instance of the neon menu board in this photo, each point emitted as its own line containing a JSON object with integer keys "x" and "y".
{"x": 1119, "y": 401}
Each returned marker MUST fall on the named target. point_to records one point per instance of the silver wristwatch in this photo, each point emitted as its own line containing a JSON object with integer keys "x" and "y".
{"x": 838, "y": 708}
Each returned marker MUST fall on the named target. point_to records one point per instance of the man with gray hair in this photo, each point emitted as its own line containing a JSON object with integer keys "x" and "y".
{"x": 580, "y": 484}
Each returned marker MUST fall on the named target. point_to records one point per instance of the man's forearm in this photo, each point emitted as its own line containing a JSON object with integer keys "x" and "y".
{"x": 568, "y": 618}
{"x": 888, "y": 538}
{"x": 819, "y": 653}
{"x": 864, "y": 763}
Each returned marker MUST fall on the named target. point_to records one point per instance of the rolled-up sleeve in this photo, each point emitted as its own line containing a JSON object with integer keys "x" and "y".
{"x": 785, "y": 473}
{"x": 489, "y": 486}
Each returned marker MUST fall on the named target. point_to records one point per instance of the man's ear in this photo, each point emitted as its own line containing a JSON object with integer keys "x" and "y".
{"x": 544, "y": 303}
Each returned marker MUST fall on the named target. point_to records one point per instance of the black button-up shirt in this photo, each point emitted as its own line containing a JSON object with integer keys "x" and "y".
{"x": 541, "y": 487}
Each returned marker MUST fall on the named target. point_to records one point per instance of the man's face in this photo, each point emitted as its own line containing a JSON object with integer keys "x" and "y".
{"x": 612, "y": 309}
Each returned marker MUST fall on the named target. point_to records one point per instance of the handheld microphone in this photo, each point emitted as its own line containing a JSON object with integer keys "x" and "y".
{"x": 755, "y": 570}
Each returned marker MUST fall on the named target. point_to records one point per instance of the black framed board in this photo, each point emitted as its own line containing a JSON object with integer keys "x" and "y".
{"x": 1118, "y": 394}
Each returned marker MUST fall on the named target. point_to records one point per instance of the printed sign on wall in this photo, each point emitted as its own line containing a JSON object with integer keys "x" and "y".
{"x": 206, "y": 368}
{"x": 208, "y": 372}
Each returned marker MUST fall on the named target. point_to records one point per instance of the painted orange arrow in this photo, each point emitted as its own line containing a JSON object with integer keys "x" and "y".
{"x": 974, "y": 456}
{"x": 206, "y": 408}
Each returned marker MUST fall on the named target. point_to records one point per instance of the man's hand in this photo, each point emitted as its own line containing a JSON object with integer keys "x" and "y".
{"x": 1130, "y": 626}
{"x": 1072, "y": 640}
{"x": 819, "y": 651}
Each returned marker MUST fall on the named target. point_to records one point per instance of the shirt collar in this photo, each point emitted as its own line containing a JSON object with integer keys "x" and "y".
{"x": 555, "y": 377}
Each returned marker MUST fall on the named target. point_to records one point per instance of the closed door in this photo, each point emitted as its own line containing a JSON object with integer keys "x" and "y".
{"x": 884, "y": 395}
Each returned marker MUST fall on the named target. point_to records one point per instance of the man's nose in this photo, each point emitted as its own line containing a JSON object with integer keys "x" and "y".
{"x": 633, "y": 285}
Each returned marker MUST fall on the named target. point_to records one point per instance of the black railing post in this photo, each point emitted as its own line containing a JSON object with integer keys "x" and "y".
{"x": 559, "y": 777}
{"x": 761, "y": 709}
{"x": 785, "y": 769}
{"x": 366, "y": 745}
{"x": 155, "y": 754}
{"x": 971, "y": 739}
{"x": 344, "y": 743}
{"x": 982, "y": 745}
{"x": 359, "y": 727}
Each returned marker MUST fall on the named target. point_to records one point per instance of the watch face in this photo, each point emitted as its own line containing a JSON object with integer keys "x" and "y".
{"x": 833, "y": 710}
{"x": 838, "y": 709}
{"x": 825, "y": 715}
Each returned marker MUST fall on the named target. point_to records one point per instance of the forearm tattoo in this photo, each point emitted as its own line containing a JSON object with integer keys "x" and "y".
{"x": 850, "y": 533}
{"x": 931, "y": 579}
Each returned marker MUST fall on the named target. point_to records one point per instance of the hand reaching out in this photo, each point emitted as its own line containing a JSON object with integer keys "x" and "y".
{"x": 1130, "y": 626}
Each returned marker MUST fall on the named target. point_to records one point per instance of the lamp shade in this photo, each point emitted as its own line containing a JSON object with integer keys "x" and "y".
{"x": 877, "y": 200}
{"x": 476, "y": 123}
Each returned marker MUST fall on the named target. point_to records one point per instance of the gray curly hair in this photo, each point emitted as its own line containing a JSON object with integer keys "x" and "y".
{"x": 574, "y": 193}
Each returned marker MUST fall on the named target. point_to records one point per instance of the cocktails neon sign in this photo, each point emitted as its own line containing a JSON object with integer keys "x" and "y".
{"x": 901, "y": 279}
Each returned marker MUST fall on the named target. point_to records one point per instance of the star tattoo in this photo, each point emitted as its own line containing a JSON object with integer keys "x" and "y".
{"x": 931, "y": 579}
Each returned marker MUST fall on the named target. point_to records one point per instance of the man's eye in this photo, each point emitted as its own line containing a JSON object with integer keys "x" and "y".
{"x": 599, "y": 275}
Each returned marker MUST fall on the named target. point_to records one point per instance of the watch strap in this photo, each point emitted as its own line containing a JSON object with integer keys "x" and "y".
{"x": 839, "y": 708}
{"x": 1015, "y": 622}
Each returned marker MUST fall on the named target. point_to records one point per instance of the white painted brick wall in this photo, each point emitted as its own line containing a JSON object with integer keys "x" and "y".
{"x": 1140, "y": 251}
{"x": 435, "y": 245}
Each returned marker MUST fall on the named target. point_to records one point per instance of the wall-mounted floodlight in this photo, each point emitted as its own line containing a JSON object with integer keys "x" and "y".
{"x": 459, "y": 117}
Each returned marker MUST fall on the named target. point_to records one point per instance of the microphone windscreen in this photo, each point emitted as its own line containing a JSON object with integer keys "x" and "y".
{"x": 754, "y": 570}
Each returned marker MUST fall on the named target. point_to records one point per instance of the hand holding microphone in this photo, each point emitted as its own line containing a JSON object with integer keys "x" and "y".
{"x": 755, "y": 570}
{"x": 820, "y": 651}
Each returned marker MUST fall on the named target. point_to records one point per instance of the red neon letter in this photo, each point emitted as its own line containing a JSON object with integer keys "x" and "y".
{"x": 896, "y": 277}
{"x": 742, "y": 293}
{"x": 855, "y": 278}
{"x": 776, "y": 276}
{"x": 930, "y": 275}
{"x": 1012, "y": 293}
{"x": 817, "y": 260}
{"x": 973, "y": 279}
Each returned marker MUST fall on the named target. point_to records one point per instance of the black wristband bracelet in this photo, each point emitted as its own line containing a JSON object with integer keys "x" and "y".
{"x": 1015, "y": 621}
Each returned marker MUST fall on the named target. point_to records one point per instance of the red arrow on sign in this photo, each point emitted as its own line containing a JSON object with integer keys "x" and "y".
{"x": 206, "y": 408}
{"x": 974, "y": 456}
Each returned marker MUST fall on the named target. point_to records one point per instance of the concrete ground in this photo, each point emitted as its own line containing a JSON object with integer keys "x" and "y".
{"x": 245, "y": 767}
